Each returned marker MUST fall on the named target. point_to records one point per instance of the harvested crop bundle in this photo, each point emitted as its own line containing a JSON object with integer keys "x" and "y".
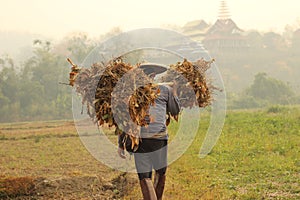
{"x": 191, "y": 74}
{"x": 119, "y": 93}
{"x": 98, "y": 87}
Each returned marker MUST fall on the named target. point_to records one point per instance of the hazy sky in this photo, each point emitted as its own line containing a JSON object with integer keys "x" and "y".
{"x": 56, "y": 18}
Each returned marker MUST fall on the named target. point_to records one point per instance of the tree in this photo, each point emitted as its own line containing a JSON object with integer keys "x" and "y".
{"x": 9, "y": 79}
{"x": 296, "y": 42}
{"x": 9, "y": 90}
{"x": 271, "y": 89}
{"x": 254, "y": 39}
{"x": 40, "y": 89}
{"x": 76, "y": 46}
{"x": 3, "y": 99}
{"x": 274, "y": 41}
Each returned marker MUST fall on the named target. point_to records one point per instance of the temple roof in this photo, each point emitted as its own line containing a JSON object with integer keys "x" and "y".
{"x": 196, "y": 24}
{"x": 196, "y": 29}
{"x": 224, "y": 26}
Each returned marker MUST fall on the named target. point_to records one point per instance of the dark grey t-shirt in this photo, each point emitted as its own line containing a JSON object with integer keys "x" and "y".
{"x": 165, "y": 103}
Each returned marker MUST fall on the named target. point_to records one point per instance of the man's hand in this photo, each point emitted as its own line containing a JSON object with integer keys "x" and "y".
{"x": 121, "y": 153}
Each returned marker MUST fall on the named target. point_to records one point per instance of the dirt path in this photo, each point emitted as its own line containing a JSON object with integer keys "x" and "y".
{"x": 46, "y": 160}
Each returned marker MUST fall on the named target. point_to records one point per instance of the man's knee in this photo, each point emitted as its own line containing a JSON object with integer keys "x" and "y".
{"x": 144, "y": 175}
{"x": 161, "y": 171}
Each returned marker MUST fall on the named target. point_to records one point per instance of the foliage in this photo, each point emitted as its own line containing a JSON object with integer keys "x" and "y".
{"x": 270, "y": 89}
{"x": 79, "y": 46}
{"x": 30, "y": 90}
{"x": 263, "y": 92}
{"x": 33, "y": 92}
{"x": 244, "y": 101}
{"x": 276, "y": 109}
{"x": 272, "y": 53}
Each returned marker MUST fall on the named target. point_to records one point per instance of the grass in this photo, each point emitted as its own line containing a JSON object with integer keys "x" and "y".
{"x": 52, "y": 152}
{"x": 256, "y": 157}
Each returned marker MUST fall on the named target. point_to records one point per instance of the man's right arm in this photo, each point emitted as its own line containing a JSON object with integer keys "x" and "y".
{"x": 121, "y": 151}
{"x": 173, "y": 102}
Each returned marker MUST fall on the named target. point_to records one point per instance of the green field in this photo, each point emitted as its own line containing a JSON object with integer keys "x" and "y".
{"x": 256, "y": 157}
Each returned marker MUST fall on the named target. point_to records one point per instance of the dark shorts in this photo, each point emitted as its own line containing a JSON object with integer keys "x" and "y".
{"x": 151, "y": 154}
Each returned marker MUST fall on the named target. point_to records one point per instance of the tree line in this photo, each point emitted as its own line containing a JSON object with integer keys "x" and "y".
{"x": 31, "y": 91}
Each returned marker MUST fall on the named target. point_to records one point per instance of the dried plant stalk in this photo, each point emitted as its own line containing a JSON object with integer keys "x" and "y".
{"x": 96, "y": 86}
{"x": 191, "y": 74}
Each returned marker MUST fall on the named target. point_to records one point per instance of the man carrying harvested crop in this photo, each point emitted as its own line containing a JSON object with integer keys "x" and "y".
{"x": 152, "y": 151}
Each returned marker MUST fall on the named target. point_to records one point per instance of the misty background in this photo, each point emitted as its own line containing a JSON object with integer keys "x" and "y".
{"x": 260, "y": 68}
